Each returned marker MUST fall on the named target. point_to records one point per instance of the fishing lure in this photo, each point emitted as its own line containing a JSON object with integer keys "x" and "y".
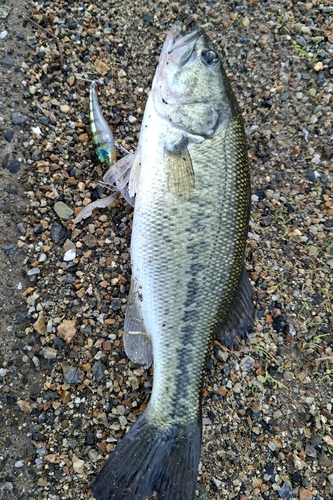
{"x": 102, "y": 136}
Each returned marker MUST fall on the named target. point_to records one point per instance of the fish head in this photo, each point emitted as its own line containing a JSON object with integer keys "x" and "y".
{"x": 190, "y": 88}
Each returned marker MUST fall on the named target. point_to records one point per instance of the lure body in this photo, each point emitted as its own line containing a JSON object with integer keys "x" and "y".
{"x": 102, "y": 136}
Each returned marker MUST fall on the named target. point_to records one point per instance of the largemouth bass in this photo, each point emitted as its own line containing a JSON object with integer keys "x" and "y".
{"x": 191, "y": 181}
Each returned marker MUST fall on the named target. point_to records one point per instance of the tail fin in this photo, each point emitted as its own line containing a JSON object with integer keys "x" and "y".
{"x": 150, "y": 459}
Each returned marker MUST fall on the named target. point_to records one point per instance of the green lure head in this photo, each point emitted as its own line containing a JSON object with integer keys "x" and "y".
{"x": 104, "y": 155}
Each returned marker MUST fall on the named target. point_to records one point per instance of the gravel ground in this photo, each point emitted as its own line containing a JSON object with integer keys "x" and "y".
{"x": 68, "y": 391}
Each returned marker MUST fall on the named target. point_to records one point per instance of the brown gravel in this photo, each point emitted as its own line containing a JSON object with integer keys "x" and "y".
{"x": 68, "y": 391}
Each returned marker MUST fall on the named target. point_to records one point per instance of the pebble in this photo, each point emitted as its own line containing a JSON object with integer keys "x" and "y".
{"x": 67, "y": 330}
{"x": 7, "y": 62}
{"x": 18, "y": 119}
{"x": 24, "y": 406}
{"x": 90, "y": 240}
{"x": 3, "y": 34}
{"x": 93, "y": 455}
{"x": 71, "y": 375}
{"x": 70, "y": 255}
{"x": 40, "y": 325}
{"x": 4, "y": 11}
{"x": 320, "y": 79}
{"x": 63, "y": 211}
{"x": 65, "y": 108}
{"x": 33, "y": 271}
{"x": 14, "y": 166}
{"x": 10, "y": 250}
{"x": 57, "y": 232}
{"x": 36, "y": 155}
{"x": 300, "y": 40}
{"x": 313, "y": 175}
{"x": 310, "y": 451}
{"x": 9, "y": 135}
{"x": 49, "y": 353}
{"x": 78, "y": 465}
{"x": 98, "y": 371}
{"x": 286, "y": 491}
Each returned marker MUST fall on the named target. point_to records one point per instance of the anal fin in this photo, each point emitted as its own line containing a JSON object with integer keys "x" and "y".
{"x": 137, "y": 341}
{"x": 239, "y": 320}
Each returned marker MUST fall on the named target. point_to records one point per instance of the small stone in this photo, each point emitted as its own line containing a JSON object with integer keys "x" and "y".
{"x": 18, "y": 118}
{"x": 318, "y": 66}
{"x": 63, "y": 211}
{"x": 310, "y": 451}
{"x": 72, "y": 25}
{"x": 10, "y": 250}
{"x": 305, "y": 494}
{"x": 71, "y": 375}
{"x": 65, "y": 108}
{"x": 40, "y": 325}
{"x": 4, "y": 11}
{"x": 301, "y": 40}
{"x": 286, "y": 491}
{"x": 78, "y": 465}
{"x": 131, "y": 119}
{"x": 9, "y": 135}
{"x": 122, "y": 420}
{"x": 279, "y": 323}
{"x": 98, "y": 371}
{"x": 34, "y": 271}
{"x": 320, "y": 79}
{"x": 36, "y": 155}
{"x": 299, "y": 464}
{"x": 70, "y": 255}
{"x": 19, "y": 464}
{"x": 67, "y": 330}
{"x": 7, "y": 61}
{"x": 217, "y": 482}
{"x": 312, "y": 251}
{"x": 3, "y": 34}
{"x": 14, "y": 166}
{"x": 42, "y": 257}
{"x": 90, "y": 240}
{"x": 24, "y": 406}
{"x": 93, "y": 455}
{"x": 49, "y": 352}
{"x": 101, "y": 67}
{"x": 115, "y": 304}
{"x": 57, "y": 232}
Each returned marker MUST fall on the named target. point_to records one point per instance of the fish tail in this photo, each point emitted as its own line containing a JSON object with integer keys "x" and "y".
{"x": 151, "y": 459}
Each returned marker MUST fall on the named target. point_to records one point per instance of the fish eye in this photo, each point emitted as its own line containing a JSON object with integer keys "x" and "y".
{"x": 210, "y": 57}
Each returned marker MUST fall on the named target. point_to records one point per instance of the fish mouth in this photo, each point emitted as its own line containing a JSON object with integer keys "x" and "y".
{"x": 175, "y": 40}
{"x": 189, "y": 39}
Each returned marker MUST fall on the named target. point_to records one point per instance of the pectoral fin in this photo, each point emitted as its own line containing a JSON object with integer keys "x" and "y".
{"x": 180, "y": 172}
{"x": 240, "y": 319}
{"x": 137, "y": 342}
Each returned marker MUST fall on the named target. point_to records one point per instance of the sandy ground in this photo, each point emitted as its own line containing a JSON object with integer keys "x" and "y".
{"x": 267, "y": 404}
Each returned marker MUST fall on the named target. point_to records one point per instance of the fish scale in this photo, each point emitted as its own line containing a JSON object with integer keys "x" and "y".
{"x": 211, "y": 236}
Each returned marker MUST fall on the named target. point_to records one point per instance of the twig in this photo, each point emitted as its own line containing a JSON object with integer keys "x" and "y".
{"x": 324, "y": 358}
{"x": 61, "y": 57}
